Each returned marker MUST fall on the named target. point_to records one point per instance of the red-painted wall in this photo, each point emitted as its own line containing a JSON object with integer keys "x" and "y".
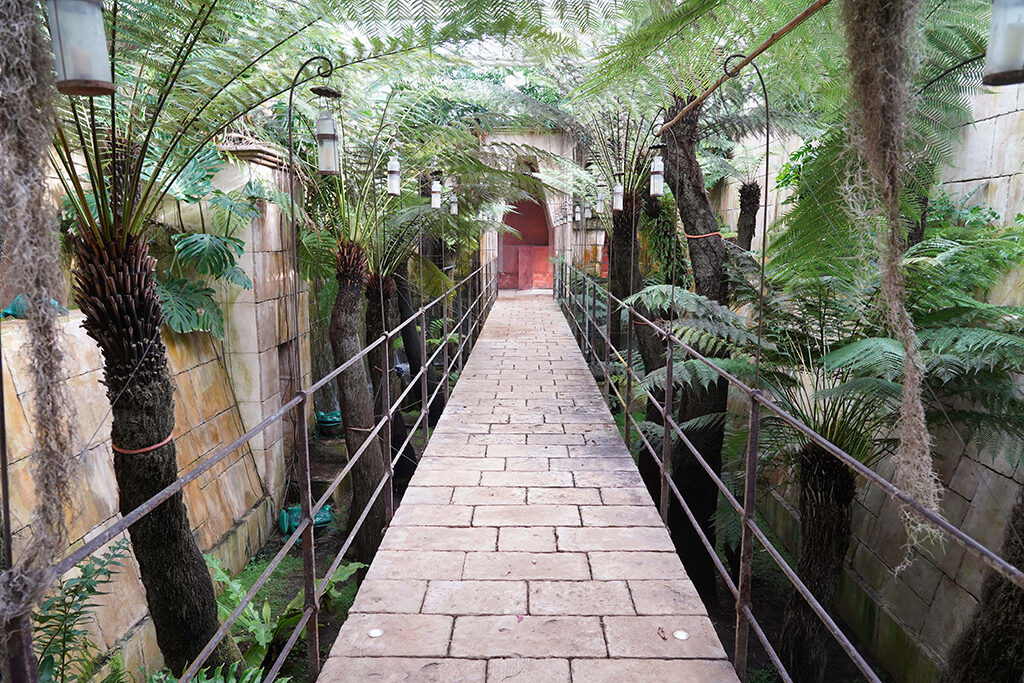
{"x": 524, "y": 262}
{"x": 530, "y": 219}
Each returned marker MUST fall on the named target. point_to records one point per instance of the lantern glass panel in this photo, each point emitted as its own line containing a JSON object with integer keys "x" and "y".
{"x": 394, "y": 177}
{"x": 435, "y": 195}
{"x": 326, "y": 144}
{"x": 617, "y": 193}
{"x": 80, "y": 47}
{"x": 1004, "y": 62}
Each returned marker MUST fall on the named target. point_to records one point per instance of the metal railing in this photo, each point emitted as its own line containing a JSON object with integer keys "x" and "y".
{"x": 579, "y": 295}
{"x": 474, "y": 296}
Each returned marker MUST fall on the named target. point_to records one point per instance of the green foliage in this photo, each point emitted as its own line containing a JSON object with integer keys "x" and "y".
{"x": 265, "y": 629}
{"x": 62, "y": 638}
{"x": 233, "y": 673}
{"x": 208, "y": 254}
{"x": 189, "y": 306}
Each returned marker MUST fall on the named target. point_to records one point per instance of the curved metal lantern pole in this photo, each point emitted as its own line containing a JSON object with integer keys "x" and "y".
{"x": 743, "y": 605}
{"x": 325, "y": 70}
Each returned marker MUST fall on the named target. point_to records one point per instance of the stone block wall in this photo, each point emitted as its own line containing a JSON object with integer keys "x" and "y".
{"x": 908, "y": 621}
{"x": 260, "y": 335}
{"x": 230, "y": 508}
{"x": 222, "y": 389}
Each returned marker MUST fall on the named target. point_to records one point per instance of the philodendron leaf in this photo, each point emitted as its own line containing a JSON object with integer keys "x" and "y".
{"x": 189, "y": 306}
{"x": 209, "y": 254}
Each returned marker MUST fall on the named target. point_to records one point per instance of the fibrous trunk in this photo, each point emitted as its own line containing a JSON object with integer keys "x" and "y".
{"x": 990, "y": 648}
{"x": 707, "y": 260}
{"x": 827, "y": 488}
{"x": 116, "y": 290}
{"x": 746, "y": 224}
{"x": 356, "y": 401}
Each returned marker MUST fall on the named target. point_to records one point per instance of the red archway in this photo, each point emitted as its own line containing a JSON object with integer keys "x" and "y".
{"x": 525, "y": 258}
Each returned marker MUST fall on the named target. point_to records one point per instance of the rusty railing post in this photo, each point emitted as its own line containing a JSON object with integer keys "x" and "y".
{"x": 747, "y": 539}
{"x": 462, "y": 328}
{"x": 666, "y": 438}
{"x": 445, "y": 312}
{"x": 586, "y": 320}
{"x": 608, "y": 346}
{"x": 594, "y": 334}
{"x": 629, "y": 379}
{"x": 424, "y": 387}
{"x": 385, "y": 390}
{"x": 308, "y": 549}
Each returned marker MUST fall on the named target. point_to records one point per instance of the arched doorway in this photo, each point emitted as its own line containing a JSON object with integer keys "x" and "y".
{"x": 525, "y": 259}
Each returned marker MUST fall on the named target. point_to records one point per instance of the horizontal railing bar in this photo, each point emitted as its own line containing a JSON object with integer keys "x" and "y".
{"x": 279, "y": 662}
{"x": 413, "y": 380}
{"x": 813, "y": 603}
{"x": 348, "y": 466}
{"x": 705, "y": 541}
{"x": 211, "y": 644}
{"x": 301, "y": 396}
{"x": 177, "y": 485}
{"x": 766, "y": 644}
{"x": 351, "y": 536}
{"x": 677, "y": 430}
{"x": 408, "y": 438}
{"x": 320, "y": 383}
{"x": 967, "y": 542}
{"x": 962, "y": 539}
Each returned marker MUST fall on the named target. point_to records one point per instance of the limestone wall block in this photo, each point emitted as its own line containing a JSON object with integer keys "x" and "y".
{"x": 990, "y": 508}
{"x": 20, "y": 436}
{"x": 904, "y": 604}
{"x": 948, "y": 616}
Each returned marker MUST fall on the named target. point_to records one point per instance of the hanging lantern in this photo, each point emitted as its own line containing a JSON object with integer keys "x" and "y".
{"x": 326, "y": 144}
{"x": 599, "y": 206}
{"x": 1004, "y": 62}
{"x": 80, "y": 47}
{"x": 435, "y": 195}
{"x": 617, "y": 193}
{"x": 454, "y": 208}
{"x": 394, "y": 177}
{"x": 576, "y": 213}
{"x": 657, "y": 176}
{"x": 587, "y": 212}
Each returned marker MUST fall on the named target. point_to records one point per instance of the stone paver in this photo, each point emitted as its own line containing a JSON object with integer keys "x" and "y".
{"x": 526, "y": 548}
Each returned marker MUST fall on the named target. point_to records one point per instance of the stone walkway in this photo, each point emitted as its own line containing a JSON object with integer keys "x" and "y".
{"x": 526, "y": 548}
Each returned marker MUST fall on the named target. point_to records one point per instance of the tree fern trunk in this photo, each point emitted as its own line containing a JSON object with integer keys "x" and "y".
{"x": 116, "y": 290}
{"x": 356, "y": 401}
{"x": 990, "y": 648}
{"x": 746, "y": 224}
{"x": 707, "y": 260}
{"x": 827, "y": 488}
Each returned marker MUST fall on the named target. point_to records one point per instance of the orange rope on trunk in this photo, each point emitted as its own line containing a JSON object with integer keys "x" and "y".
{"x": 143, "y": 450}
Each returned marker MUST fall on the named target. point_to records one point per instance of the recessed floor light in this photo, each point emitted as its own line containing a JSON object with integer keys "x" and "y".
{"x": 680, "y": 635}
{"x": 375, "y": 632}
